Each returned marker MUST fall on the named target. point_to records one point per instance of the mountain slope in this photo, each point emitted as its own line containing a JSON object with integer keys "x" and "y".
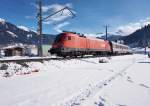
{"x": 139, "y": 38}
{"x": 10, "y": 33}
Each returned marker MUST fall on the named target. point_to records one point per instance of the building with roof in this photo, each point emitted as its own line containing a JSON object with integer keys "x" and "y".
{"x": 14, "y": 50}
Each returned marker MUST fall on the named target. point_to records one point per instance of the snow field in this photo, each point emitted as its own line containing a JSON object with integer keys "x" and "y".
{"x": 84, "y": 82}
{"x": 131, "y": 88}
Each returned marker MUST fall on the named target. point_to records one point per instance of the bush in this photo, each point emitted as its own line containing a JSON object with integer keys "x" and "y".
{"x": 23, "y": 64}
{"x": 4, "y": 67}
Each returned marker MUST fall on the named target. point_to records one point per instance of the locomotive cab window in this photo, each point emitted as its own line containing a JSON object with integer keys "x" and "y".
{"x": 58, "y": 38}
{"x": 68, "y": 38}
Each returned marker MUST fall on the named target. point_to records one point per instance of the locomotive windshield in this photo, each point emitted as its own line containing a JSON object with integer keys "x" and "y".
{"x": 58, "y": 38}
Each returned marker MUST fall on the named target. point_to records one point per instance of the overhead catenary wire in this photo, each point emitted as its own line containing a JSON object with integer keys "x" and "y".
{"x": 41, "y": 19}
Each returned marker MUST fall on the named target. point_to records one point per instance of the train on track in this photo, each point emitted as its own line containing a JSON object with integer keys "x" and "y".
{"x": 73, "y": 44}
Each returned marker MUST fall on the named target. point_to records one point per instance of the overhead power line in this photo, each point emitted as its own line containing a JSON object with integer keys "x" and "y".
{"x": 41, "y": 19}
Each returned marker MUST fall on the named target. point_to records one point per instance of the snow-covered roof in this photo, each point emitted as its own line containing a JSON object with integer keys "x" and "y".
{"x": 14, "y": 46}
{"x": 20, "y": 45}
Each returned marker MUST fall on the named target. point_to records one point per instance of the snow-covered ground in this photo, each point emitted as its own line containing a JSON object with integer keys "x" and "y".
{"x": 121, "y": 81}
{"x": 24, "y": 57}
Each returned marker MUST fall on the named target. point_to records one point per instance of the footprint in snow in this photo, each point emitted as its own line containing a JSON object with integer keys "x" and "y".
{"x": 75, "y": 104}
{"x": 121, "y": 105}
{"x": 102, "y": 99}
{"x": 111, "y": 70}
{"x": 101, "y": 102}
{"x": 143, "y": 85}
{"x": 129, "y": 79}
{"x": 120, "y": 74}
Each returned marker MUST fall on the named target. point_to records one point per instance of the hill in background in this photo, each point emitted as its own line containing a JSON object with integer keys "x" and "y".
{"x": 10, "y": 33}
{"x": 139, "y": 38}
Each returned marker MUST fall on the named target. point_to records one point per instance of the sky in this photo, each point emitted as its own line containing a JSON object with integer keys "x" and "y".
{"x": 123, "y": 16}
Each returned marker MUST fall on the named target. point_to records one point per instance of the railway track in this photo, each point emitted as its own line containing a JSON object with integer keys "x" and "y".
{"x": 41, "y": 59}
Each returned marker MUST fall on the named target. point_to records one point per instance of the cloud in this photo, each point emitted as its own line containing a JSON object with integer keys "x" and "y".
{"x": 55, "y": 7}
{"x": 50, "y": 9}
{"x": 59, "y": 17}
{"x": 128, "y": 29}
{"x": 132, "y": 27}
{"x": 59, "y": 26}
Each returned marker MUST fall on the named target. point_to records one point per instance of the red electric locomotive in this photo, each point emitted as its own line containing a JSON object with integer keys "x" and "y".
{"x": 72, "y": 44}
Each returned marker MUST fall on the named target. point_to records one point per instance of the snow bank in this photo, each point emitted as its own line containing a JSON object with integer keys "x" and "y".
{"x": 104, "y": 59}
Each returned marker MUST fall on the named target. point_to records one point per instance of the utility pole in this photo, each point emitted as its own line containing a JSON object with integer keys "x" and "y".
{"x": 106, "y": 30}
{"x": 39, "y": 30}
{"x": 41, "y": 19}
{"x": 145, "y": 43}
